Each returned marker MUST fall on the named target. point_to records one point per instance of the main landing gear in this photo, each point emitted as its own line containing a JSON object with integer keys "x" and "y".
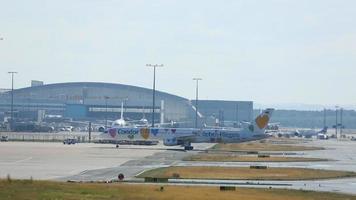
{"x": 188, "y": 147}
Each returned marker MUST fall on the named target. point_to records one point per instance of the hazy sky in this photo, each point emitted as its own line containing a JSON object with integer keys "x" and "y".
{"x": 268, "y": 51}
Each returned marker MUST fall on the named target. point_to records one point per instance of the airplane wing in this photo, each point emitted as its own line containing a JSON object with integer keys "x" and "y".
{"x": 180, "y": 139}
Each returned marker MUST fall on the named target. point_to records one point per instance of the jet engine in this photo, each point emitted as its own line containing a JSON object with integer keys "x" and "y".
{"x": 101, "y": 129}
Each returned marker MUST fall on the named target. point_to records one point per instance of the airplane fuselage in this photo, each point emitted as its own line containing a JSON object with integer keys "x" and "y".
{"x": 191, "y": 134}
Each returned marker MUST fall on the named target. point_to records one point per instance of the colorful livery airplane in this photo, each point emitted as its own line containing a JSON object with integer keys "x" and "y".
{"x": 186, "y": 136}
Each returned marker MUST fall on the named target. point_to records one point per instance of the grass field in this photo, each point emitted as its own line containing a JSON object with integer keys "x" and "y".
{"x": 211, "y": 157}
{"x": 245, "y": 173}
{"x": 262, "y": 146}
{"x": 34, "y": 190}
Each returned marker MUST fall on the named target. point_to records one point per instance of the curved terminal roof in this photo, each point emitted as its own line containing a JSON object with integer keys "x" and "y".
{"x": 96, "y": 84}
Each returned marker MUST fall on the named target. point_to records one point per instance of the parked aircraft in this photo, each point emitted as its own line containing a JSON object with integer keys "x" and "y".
{"x": 120, "y": 122}
{"x": 310, "y": 133}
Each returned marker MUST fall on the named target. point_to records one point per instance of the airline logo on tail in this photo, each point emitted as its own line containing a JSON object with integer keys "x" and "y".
{"x": 263, "y": 119}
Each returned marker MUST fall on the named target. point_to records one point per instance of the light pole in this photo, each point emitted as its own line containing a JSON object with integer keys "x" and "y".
{"x": 324, "y": 120}
{"x": 12, "y": 100}
{"x": 106, "y": 111}
{"x": 154, "y": 90}
{"x": 196, "y": 100}
{"x": 237, "y": 115}
{"x": 336, "y": 123}
{"x": 341, "y": 123}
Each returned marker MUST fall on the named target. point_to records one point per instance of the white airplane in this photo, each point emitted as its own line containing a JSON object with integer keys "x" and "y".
{"x": 310, "y": 132}
{"x": 186, "y": 136}
{"x": 120, "y": 122}
{"x": 143, "y": 122}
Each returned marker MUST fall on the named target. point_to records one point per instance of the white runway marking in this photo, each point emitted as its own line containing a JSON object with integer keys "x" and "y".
{"x": 20, "y": 161}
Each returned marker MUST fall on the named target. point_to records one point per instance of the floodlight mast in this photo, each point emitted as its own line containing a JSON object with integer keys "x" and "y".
{"x": 154, "y": 90}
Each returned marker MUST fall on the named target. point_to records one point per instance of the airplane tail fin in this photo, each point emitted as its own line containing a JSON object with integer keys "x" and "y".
{"x": 324, "y": 130}
{"x": 261, "y": 121}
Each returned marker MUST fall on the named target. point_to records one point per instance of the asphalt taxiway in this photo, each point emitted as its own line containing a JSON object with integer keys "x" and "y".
{"x": 103, "y": 162}
{"x": 55, "y": 160}
{"x": 82, "y": 161}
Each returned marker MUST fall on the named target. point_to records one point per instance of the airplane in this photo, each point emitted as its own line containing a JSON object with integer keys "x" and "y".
{"x": 185, "y": 136}
{"x": 143, "y": 122}
{"x": 310, "y": 133}
{"x": 120, "y": 122}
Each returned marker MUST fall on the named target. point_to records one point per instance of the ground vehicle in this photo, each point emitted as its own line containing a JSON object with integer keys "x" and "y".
{"x": 4, "y": 139}
{"x": 70, "y": 141}
{"x": 67, "y": 128}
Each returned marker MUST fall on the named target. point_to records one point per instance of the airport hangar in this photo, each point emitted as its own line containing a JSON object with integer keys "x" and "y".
{"x": 97, "y": 101}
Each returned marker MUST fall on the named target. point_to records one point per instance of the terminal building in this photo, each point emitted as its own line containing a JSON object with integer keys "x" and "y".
{"x": 98, "y": 101}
